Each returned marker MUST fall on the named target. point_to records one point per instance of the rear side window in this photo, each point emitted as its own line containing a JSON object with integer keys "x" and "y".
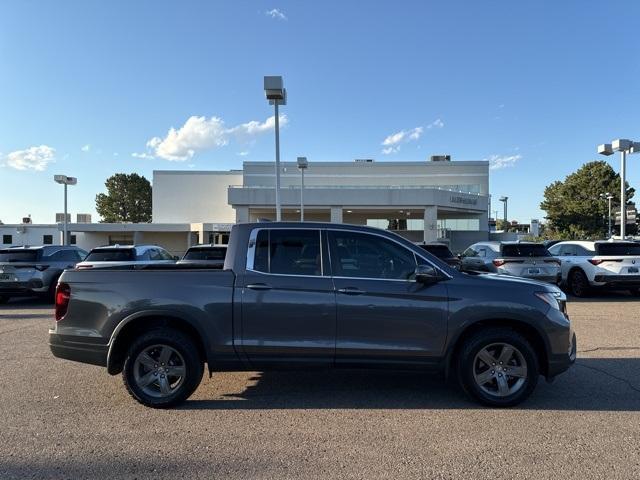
{"x": 12, "y": 256}
{"x": 288, "y": 252}
{"x": 206, "y": 254}
{"x": 618, "y": 249}
{"x": 65, "y": 256}
{"x": 440, "y": 251}
{"x": 525, "y": 250}
{"x": 111, "y": 255}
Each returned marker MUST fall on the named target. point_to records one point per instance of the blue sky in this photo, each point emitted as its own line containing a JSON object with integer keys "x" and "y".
{"x": 534, "y": 86}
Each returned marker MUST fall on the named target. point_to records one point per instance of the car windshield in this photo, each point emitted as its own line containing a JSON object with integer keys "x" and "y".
{"x": 111, "y": 255}
{"x": 440, "y": 251}
{"x": 13, "y": 256}
{"x": 525, "y": 250}
{"x": 618, "y": 249}
{"x": 206, "y": 254}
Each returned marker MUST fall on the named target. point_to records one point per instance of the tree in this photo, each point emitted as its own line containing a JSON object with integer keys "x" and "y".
{"x": 128, "y": 199}
{"x": 575, "y": 208}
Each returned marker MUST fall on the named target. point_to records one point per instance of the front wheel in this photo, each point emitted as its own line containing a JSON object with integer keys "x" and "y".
{"x": 162, "y": 368}
{"x": 498, "y": 367}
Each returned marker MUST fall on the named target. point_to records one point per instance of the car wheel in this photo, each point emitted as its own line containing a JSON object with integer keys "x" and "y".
{"x": 4, "y": 299}
{"x": 497, "y": 367}
{"x": 635, "y": 292}
{"x": 578, "y": 283}
{"x": 162, "y": 368}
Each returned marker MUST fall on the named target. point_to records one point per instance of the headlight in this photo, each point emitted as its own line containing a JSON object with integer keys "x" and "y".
{"x": 555, "y": 299}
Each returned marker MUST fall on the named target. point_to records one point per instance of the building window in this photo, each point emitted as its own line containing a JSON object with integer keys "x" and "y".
{"x": 7, "y": 239}
{"x": 72, "y": 239}
{"x": 47, "y": 239}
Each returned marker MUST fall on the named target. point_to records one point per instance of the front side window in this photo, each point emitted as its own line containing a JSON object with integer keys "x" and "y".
{"x": 470, "y": 252}
{"x": 369, "y": 256}
{"x": 47, "y": 239}
{"x": 288, "y": 252}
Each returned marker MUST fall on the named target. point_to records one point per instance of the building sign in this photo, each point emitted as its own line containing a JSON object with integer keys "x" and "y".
{"x": 463, "y": 200}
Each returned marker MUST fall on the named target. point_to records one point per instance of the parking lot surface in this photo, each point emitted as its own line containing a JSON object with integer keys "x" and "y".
{"x": 67, "y": 420}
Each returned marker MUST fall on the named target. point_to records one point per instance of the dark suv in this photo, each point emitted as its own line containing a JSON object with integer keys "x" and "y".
{"x": 28, "y": 271}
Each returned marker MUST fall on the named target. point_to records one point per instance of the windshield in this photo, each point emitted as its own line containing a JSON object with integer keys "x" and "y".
{"x": 13, "y": 256}
{"x": 525, "y": 250}
{"x": 618, "y": 249}
{"x": 111, "y": 255}
{"x": 440, "y": 251}
{"x": 206, "y": 254}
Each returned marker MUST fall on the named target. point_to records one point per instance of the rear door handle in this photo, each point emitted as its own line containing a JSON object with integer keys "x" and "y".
{"x": 259, "y": 286}
{"x": 351, "y": 291}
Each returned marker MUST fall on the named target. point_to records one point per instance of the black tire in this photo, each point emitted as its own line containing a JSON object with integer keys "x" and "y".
{"x": 4, "y": 299}
{"x": 578, "y": 283}
{"x": 468, "y": 361}
{"x": 187, "y": 355}
{"x": 635, "y": 291}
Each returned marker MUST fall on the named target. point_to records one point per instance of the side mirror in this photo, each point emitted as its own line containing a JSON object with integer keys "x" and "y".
{"x": 426, "y": 274}
{"x": 459, "y": 256}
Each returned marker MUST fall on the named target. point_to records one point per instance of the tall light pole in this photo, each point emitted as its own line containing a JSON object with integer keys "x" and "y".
{"x": 277, "y": 95}
{"x": 609, "y": 197}
{"x": 623, "y": 146}
{"x": 64, "y": 180}
{"x": 303, "y": 164}
{"x": 505, "y": 200}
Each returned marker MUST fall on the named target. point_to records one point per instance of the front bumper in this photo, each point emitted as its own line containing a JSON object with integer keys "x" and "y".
{"x": 69, "y": 348}
{"x": 562, "y": 362}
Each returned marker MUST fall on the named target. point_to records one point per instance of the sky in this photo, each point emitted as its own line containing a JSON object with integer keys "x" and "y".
{"x": 92, "y": 88}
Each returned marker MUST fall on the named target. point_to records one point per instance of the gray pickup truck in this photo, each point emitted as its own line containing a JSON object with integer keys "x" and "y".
{"x": 313, "y": 295}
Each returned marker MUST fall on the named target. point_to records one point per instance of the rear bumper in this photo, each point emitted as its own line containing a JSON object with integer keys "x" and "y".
{"x": 618, "y": 280}
{"x": 69, "y": 348}
{"x": 17, "y": 289}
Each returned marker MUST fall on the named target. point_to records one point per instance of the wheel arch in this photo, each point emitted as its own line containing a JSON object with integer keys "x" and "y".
{"x": 131, "y": 327}
{"x": 528, "y": 331}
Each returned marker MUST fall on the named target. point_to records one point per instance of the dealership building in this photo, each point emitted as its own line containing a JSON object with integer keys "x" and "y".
{"x": 424, "y": 201}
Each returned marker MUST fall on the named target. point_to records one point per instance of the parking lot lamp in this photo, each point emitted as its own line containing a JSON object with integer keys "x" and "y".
{"x": 303, "y": 164}
{"x": 609, "y": 197}
{"x": 64, "y": 180}
{"x": 505, "y": 200}
{"x": 623, "y": 146}
{"x": 277, "y": 95}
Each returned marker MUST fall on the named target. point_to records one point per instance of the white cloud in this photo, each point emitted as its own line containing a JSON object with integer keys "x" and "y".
{"x": 200, "y": 133}
{"x": 437, "y": 123}
{"x": 394, "y": 141}
{"x": 143, "y": 155}
{"x": 243, "y": 153}
{"x": 86, "y": 148}
{"x": 275, "y": 13}
{"x": 33, "y": 158}
{"x": 496, "y": 162}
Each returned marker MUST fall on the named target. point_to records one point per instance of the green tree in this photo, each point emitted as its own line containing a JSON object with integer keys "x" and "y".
{"x": 128, "y": 199}
{"x": 575, "y": 208}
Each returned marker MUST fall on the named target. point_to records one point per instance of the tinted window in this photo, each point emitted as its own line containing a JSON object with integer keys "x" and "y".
{"x": 294, "y": 252}
{"x": 470, "y": 252}
{"x": 618, "y": 249}
{"x": 369, "y": 256}
{"x": 212, "y": 253}
{"x": 583, "y": 251}
{"x": 164, "y": 255}
{"x": 261, "y": 258}
{"x": 7, "y": 239}
{"x": 47, "y": 239}
{"x": 65, "y": 256}
{"x": 525, "y": 250}
{"x": 19, "y": 256}
{"x": 440, "y": 251}
{"x": 111, "y": 255}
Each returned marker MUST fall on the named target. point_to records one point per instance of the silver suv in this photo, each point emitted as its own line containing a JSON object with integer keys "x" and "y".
{"x": 28, "y": 271}
{"x": 520, "y": 259}
{"x": 122, "y": 255}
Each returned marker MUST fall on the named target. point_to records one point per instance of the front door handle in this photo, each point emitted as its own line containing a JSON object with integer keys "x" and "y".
{"x": 259, "y": 286}
{"x": 351, "y": 291}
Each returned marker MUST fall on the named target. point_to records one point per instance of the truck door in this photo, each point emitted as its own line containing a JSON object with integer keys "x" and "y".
{"x": 288, "y": 299}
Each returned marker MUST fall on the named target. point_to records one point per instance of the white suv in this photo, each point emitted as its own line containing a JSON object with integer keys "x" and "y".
{"x": 585, "y": 265}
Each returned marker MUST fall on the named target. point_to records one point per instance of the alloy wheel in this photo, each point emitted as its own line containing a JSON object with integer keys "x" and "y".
{"x": 159, "y": 370}
{"x": 500, "y": 370}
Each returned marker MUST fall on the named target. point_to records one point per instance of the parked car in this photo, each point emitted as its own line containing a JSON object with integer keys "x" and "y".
{"x": 313, "y": 295}
{"x": 209, "y": 254}
{"x": 28, "y": 271}
{"x": 550, "y": 243}
{"x": 520, "y": 259}
{"x": 601, "y": 264}
{"x": 120, "y": 255}
{"x": 441, "y": 251}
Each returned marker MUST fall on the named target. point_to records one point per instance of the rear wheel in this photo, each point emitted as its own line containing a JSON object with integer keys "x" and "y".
{"x": 162, "y": 368}
{"x": 498, "y": 367}
{"x": 578, "y": 283}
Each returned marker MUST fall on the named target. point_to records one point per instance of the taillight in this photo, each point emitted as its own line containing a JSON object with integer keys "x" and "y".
{"x": 499, "y": 262}
{"x": 63, "y": 294}
{"x": 595, "y": 261}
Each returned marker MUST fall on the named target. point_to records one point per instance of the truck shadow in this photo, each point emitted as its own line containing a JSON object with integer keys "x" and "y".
{"x": 593, "y": 384}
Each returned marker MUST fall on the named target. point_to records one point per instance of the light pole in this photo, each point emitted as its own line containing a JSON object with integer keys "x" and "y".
{"x": 64, "y": 180}
{"x": 505, "y": 200}
{"x": 623, "y": 146}
{"x": 609, "y": 197}
{"x": 303, "y": 164}
{"x": 277, "y": 95}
